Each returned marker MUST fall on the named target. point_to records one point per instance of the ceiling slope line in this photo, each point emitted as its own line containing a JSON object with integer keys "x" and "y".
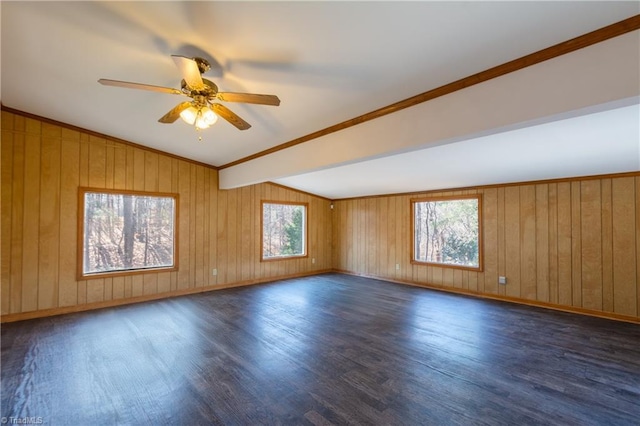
{"x": 299, "y": 191}
{"x": 557, "y": 50}
{"x": 430, "y": 192}
{"x": 103, "y": 136}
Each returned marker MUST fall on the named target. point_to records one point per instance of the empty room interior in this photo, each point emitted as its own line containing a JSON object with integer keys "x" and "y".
{"x": 261, "y": 213}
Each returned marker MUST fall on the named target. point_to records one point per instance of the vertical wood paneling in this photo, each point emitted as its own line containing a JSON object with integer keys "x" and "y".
{"x": 206, "y": 200}
{"x": 193, "y": 226}
{"x": 570, "y": 243}
{"x": 222, "y": 236}
{"x": 490, "y": 226}
{"x": 184, "y": 189}
{"x": 352, "y": 244}
{"x": 624, "y": 246}
{"x": 591, "y": 245}
{"x": 42, "y": 167}
{"x": 404, "y": 239}
{"x": 6, "y": 188}
{"x": 607, "y": 247}
{"x": 372, "y": 235}
{"x": 245, "y": 236}
{"x": 232, "y": 235}
{"x": 49, "y": 232}
{"x": 138, "y": 169}
{"x": 118, "y": 288}
{"x": 513, "y": 258}
{"x": 528, "y": 279}
{"x": 199, "y": 229}
{"x": 502, "y": 268}
{"x": 542, "y": 243}
{"x": 175, "y": 188}
{"x": 110, "y": 163}
{"x": 151, "y": 171}
{"x": 213, "y": 214}
{"x": 564, "y": 244}
{"x": 17, "y": 220}
{"x": 130, "y": 166}
{"x": 30, "y": 242}
{"x": 137, "y": 285}
{"x": 576, "y": 245}
{"x": 382, "y": 255}
{"x": 150, "y": 284}
{"x": 553, "y": 243}
{"x": 120, "y": 166}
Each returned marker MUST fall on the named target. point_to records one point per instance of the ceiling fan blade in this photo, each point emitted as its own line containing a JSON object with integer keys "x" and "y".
{"x": 130, "y": 85}
{"x": 190, "y": 72}
{"x": 230, "y": 116}
{"x": 174, "y": 114}
{"x": 249, "y": 98}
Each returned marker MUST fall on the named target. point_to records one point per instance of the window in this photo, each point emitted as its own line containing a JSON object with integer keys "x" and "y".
{"x": 447, "y": 231}
{"x": 284, "y": 230}
{"x": 122, "y": 232}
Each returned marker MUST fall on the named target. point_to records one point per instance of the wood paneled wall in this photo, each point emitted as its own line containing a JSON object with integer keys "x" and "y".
{"x": 573, "y": 244}
{"x": 43, "y": 165}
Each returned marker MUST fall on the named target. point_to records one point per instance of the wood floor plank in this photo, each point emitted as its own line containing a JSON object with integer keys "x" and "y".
{"x": 328, "y": 349}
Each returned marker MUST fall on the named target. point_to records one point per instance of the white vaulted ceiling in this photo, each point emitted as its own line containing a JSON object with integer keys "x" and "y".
{"x": 330, "y": 62}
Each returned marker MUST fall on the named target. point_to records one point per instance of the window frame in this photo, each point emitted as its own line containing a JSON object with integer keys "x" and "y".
{"x": 305, "y": 230}
{"x": 81, "y": 275}
{"x": 477, "y": 197}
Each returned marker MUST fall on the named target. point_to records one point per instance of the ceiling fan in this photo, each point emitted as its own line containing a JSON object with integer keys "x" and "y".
{"x": 201, "y": 111}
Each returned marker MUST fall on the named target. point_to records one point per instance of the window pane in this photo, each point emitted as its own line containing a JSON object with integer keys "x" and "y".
{"x": 124, "y": 232}
{"x": 283, "y": 230}
{"x": 447, "y": 232}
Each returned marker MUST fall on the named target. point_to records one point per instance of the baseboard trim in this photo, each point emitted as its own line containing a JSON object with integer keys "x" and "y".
{"x": 516, "y": 300}
{"x": 23, "y": 316}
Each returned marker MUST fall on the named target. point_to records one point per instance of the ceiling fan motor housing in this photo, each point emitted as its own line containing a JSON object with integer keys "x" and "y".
{"x": 203, "y": 64}
{"x": 209, "y": 91}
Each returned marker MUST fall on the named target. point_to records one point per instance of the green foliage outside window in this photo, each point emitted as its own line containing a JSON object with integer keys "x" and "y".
{"x": 123, "y": 232}
{"x": 447, "y": 231}
{"x": 283, "y": 230}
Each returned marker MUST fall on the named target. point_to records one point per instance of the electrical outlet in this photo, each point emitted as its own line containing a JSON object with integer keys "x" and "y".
{"x": 502, "y": 280}
{"x": 313, "y": 260}
{"x": 397, "y": 266}
{"x": 214, "y": 272}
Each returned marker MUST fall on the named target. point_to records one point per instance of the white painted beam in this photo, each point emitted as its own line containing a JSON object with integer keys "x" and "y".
{"x": 595, "y": 77}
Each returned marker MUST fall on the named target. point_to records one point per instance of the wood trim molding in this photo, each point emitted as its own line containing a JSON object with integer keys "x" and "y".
{"x": 497, "y": 185}
{"x": 139, "y": 299}
{"x": 516, "y": 300}
{"x": 580, "y": 42}
{"x": 102, "y": 136}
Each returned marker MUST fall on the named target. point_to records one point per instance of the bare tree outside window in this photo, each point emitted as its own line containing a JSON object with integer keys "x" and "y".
{"x": 447, "y": 232}
{"x": 125, "y": 231}
{"x": 283, "y": 230}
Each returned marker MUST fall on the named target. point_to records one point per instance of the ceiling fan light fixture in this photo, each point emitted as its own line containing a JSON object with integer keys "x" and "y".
{"x": 201, "y": 116}
{"x": 189, "y": 115}
{"x": 205, "y": 118}
{"x": 209, "y": 116}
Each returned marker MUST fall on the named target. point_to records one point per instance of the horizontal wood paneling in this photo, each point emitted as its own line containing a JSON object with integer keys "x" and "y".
{"x": 44, "y": 163}
{"x": 570, "y": 244}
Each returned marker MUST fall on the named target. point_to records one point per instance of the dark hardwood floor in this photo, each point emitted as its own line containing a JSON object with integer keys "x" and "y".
{"x": 330, "y": 349}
